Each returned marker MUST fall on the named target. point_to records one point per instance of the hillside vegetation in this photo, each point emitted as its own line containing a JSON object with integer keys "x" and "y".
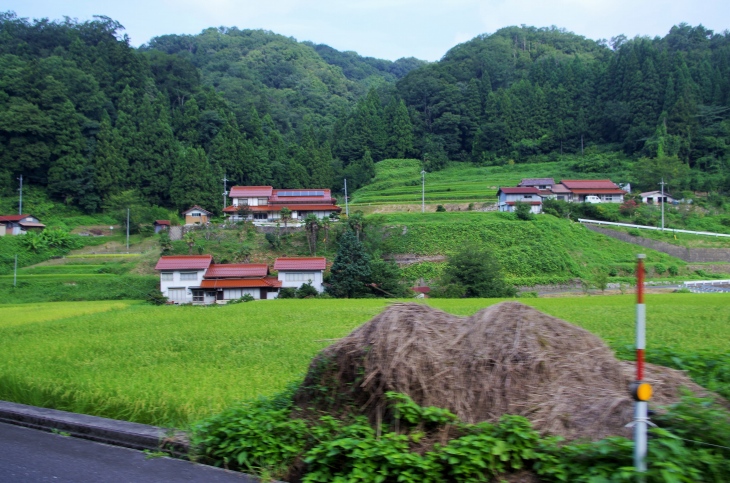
{"x": 97, "y": 123}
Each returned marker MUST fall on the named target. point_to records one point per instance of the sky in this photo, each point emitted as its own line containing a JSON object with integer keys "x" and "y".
{"x": 387, "y": 29}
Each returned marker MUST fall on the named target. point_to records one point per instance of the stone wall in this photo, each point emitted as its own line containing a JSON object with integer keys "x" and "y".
{"x": 695, "y": 255}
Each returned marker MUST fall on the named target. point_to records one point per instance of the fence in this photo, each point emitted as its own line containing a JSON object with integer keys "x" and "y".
{"x": 644, "y": 227}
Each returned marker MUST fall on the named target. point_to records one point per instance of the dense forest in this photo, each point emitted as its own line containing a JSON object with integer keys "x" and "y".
{"x": 96, "y": 122}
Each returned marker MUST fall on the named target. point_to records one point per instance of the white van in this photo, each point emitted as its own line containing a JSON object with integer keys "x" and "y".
{"x": 592, "y": 199}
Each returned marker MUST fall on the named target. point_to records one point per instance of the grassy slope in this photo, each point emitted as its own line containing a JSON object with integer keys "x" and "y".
{"x": 171, "y": 365}
{"x": 399, "y": 181}
{"x": 545, "y": 249}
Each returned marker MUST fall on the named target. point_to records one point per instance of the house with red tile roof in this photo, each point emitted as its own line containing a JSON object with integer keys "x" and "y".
{"x": 180, "y": 274}
{"x": 296, "y": 271}
{"x": 605, "y": 189}
{"x": 507, "y": 197}
{"x": 264, "y": 203}
{"x": 19, "y": 224}
{"x": 196, "y": 279}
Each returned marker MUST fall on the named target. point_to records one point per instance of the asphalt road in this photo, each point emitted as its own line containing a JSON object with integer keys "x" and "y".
{"x": 33, "y": 456}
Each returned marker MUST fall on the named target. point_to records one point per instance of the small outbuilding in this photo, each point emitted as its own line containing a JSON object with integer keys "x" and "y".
{"x": 19, "y": 224}
{"x": 161, "y": 225}
{"x": 656, "y": 198}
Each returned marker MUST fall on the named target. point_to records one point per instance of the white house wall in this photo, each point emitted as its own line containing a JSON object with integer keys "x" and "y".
{"x": 316, "y": 279}
{"x": 165, "y": 286}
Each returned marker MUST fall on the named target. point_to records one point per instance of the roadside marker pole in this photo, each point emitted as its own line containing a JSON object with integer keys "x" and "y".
{"x": 640, "y": 390}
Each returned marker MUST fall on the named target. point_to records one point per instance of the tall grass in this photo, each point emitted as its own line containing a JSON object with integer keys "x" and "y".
{"x": 171, "y": 365}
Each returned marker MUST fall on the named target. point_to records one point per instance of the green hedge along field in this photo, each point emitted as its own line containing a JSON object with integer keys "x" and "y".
{"x": 172, "y": 365}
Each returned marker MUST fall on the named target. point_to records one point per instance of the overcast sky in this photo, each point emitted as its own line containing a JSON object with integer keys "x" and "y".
{"x": 387, "y": 29}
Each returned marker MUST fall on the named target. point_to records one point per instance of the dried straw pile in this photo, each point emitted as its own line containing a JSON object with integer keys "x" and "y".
{"x": 506, "y": 359}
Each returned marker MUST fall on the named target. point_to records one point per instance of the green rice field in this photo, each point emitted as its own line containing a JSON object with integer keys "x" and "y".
{"x": 172, "y": 365}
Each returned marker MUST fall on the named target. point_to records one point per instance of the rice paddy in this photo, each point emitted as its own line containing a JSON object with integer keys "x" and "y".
{"x": 172, "y": 365}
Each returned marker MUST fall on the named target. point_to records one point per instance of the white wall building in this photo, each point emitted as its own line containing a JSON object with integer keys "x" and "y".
{"x": 295, "y": 272}
{"x": 180, "y": 274}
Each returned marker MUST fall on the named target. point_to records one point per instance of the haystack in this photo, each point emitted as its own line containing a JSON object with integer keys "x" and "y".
{"x": 506, "y": 359}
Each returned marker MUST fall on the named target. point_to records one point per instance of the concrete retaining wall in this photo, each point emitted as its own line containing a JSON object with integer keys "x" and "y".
{"x": 696, "y": 255}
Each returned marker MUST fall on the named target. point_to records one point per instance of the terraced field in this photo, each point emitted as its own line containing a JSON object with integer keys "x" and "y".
{"x": 398, "y": 181}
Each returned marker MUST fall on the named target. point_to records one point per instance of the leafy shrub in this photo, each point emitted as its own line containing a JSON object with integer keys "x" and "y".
{"x": 155, "y": 297}
{"x": 673, "y": 270}
{"x": 440, "y": 208}
{"x": 527, "y": 295}
{"x": 306, "y": 290}
{"x": 287, "y": 293}
{"x": 523, "y": 211}
{"x": 660, "y": 268}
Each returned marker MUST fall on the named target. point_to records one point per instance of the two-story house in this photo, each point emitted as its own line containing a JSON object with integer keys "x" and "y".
{"x": 264, "y": 203}
{"x": 181, "y": 274}
{"x": 229, "y": 281}
{"x": 295, "y": 272}
{"x": 507, "y": 197}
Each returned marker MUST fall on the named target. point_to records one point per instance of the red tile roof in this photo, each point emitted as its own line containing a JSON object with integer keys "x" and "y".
{"x": 312, "y": 263}
{"x": 162, "y": 222}
{"x": 237, "y": 270}
{"x": 250, "y": 191}
{"x": 325, "y": 197}
{"x": 13, "y": 217}
{"x": 241, "y": 283}
{"x": 573, "y": 184}
{"x": 597, "y": 191}
{"x": 520, "y": 191}
{"x": 184, "y": 262}
{"x": 28, "y": 224}
{"x": 560, "y": 189}
{"x": 277, "y": 208}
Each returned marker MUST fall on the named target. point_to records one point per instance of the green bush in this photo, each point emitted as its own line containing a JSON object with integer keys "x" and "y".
{"x": 287, "y": 293}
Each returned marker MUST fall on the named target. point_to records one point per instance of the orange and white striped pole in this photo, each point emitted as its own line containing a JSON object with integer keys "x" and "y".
{"x": 640, "y": 391}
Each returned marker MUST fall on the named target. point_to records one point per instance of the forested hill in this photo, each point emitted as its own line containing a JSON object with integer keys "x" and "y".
{"x": 525, "y": 92}
{"x": 99, "y": 124}
{"x": 295, "y": 83}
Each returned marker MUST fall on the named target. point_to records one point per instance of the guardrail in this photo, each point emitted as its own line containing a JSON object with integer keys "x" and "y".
{"x": 706, "y": 282}
{"x": 644, "y": 227}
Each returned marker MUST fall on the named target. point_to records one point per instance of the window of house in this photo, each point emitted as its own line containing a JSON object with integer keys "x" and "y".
{"x": 176, "y": 294}
{"x": 260, "y": 216}
{"x": 263, "y": 201}
{"x": 299, "y": 276}
{"x": 198, "y": 296}
{"x": 196, "y": 214}
{"x": 527, "y": 196}
{"x": 188, "y": 275}
{"x": 243, "y": 201}
{"x": 166, "y": 277}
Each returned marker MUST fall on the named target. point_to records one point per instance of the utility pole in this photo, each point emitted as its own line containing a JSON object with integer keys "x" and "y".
{"x": 347, "y": 208}
{"x": 225, "y": 190}
{"x": 127, "y": 230}
{"x": 662, "y": 200}
{"x": 20, "y": 204}
{"x": 423, "y": 191}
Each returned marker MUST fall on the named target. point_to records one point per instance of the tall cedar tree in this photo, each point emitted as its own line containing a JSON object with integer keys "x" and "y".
{"x": 351, "y": 270}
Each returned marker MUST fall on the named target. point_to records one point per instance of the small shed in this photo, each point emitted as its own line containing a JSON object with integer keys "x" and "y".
{"x": 19, "y": 224}
{"x": 161, "y": 225}
{"x": 655, "y": 198}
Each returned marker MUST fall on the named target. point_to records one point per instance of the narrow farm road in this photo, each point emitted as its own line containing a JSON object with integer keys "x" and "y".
{"x": 30, "y": 456}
